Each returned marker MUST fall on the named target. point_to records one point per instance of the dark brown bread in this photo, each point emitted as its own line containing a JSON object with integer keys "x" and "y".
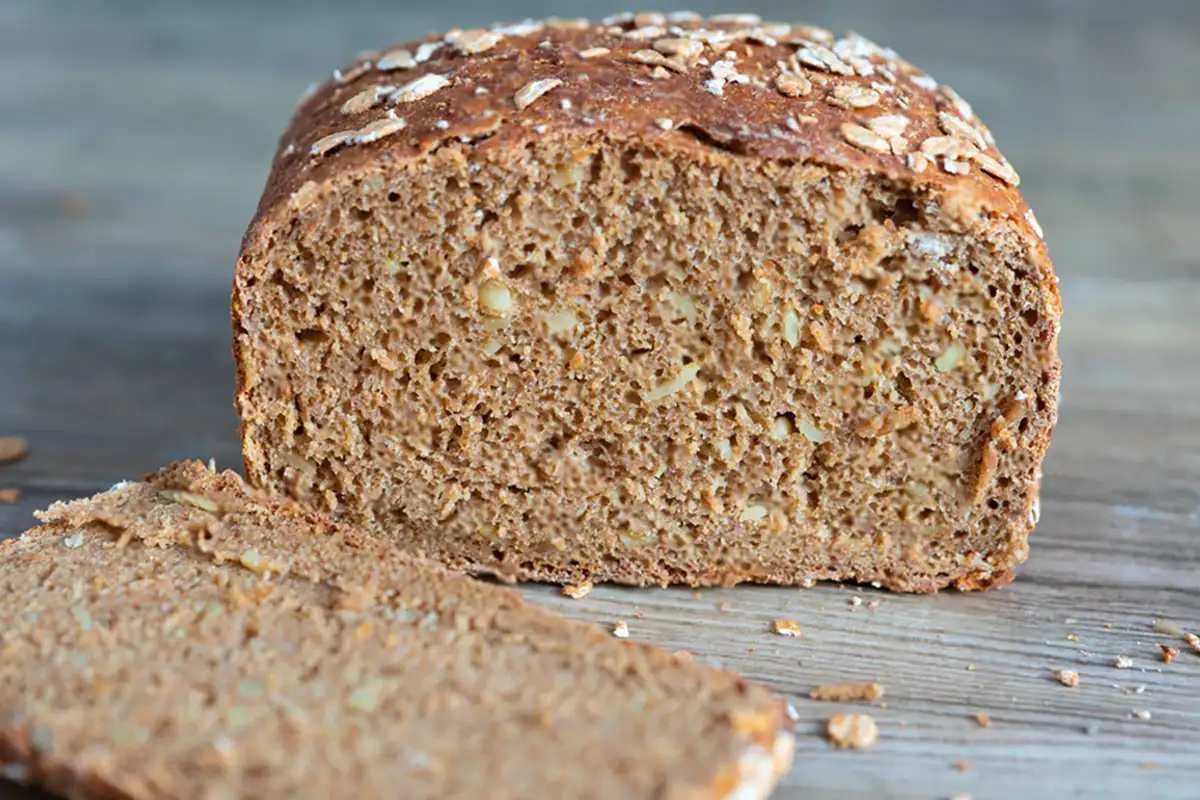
{"x": 657, "y": 300}
{"x": 189, "y": 637}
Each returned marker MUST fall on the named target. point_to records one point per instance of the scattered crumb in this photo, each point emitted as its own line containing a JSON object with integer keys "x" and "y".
{"x": 792, "y": 713}
{"x": 970, "y": 667}
{"x": 1167, "y": 627}
{"x": 856, "y": 601}
{"x": 1193, "y": 640}
{"x": 983, "y": 720}
{"x": 637, "y": 612}
{"x": 723, "y": 606}
{"x": 12, "y": 448}
{"x": 1147, "y": 765}
{"x": 786, "y": 627}
{"x": 1143, "y": 715}
{"x": 845, "y": 692}
{"x": 1123, "y": 662}
{"x": 1168, "y": 653}
{"x": 1092, "y": 730}
{"x": 683, "y": 655}
{"x": 963, "y": 766}
{"x": 1072, "y": 637}
{"x": 1132, "y": 689}
{"x": 1108, "y": 626}
{"x": 874, "y": 604}
{"x": 883, "y": 706}
{"x": 852, "y": 730}
{"x": 10, "y": 496}
{"x": 620, "y": 630}
{"x": 578, "y": 591}
{"x": 1067, "y": 677}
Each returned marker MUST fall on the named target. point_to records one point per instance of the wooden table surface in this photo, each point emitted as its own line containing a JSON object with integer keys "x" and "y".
{"x": 134, "y": 139}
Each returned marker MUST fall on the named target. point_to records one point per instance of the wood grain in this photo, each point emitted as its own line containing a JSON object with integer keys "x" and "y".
{"x": 135, "y": 138}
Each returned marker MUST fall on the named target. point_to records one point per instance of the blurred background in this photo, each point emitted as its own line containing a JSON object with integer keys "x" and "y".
{"x": 135, "y": 138}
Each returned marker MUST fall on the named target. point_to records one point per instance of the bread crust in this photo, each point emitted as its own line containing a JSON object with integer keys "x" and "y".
{"x": 793, "y": 95}
{"x": 616, "y": 94}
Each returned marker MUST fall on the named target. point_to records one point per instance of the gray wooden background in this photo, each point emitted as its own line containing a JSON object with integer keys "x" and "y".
{"x": 135, "y": 137}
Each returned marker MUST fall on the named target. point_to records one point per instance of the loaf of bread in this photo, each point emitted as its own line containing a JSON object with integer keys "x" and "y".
{"x": 188, "y": 637}
{"x": 658, "y": 300}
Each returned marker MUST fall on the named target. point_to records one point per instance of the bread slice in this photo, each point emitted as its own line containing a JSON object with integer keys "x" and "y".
{"x": 189, "y": 637}
{"x": 657, "y": 300}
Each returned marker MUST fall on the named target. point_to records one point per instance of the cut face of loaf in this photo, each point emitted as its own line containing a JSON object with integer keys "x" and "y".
{"x": 188, "y": 637}
{"x": 694, "y": 302}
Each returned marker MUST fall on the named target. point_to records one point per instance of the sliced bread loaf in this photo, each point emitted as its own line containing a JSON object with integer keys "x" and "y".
{"x": 189, "y": 637}
{"x": 662, "y": 299}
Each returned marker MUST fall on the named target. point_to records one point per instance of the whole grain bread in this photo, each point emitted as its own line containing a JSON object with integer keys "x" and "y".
{"x": 189, "y": 637}
{"x": 661, "y": 299}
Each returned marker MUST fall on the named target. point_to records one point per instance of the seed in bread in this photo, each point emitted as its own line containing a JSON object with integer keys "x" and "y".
{"x": 761, "y": 304}
{"x": 186, "y": 636}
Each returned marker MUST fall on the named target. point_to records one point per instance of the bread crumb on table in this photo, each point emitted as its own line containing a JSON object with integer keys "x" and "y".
{"x": 1123, "y": 662}
{"x": 1168, "y": 653}
{"x": 1067, "y": 677}
{"x": 10, "y": 496}
{"x": 620, "y": 630}
{"x": 577, "y": 591}
{"x": 983, "y": 720}
{"x": 844, "y": 692}
{"x": 786, "y": 627}
{"x": 856, "y": 731}
{"x": 12, "y": 448}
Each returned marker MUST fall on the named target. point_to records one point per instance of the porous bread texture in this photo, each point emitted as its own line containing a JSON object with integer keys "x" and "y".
{"x": 189, "y": 637}
{"x": 582, "y": 316}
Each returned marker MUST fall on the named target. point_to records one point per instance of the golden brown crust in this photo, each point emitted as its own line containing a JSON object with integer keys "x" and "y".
{"x": 627, "y": 93}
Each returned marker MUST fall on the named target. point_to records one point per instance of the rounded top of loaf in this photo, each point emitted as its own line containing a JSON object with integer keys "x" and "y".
{"x": 726, "y": 86}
